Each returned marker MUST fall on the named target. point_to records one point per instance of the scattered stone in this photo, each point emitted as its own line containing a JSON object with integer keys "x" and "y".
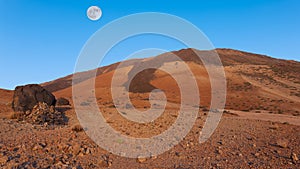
{"x": 105, "y": 162}
{"x": 43, "y": 144}
{"x": 37, "y": 147}
{"x": 26, "y": 97}
{"x": 81, "y": 154}
{"x": 219, "y": 151}
{"x": 294, "y": 157}
{"x": 42, "y": 114}
{"x": 87, "y": 151}
{"x": 283, "y": 143}
{"x": 141, "y": 159}
{"x": 153, "y": 157}
{"x": 62, "y": 102}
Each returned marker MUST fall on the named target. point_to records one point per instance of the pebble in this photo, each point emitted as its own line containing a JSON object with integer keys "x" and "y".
{"x": 294, "y": 157}
{"x": 36, "y": 147}
{"x": 219, "y": 151}
{"x": 283, "y": 143}
{"x": 141, "y": 159}
{"x": 153, "y": 157}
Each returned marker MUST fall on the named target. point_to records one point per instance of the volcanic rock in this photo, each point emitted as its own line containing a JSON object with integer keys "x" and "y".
{"x": 26, "y": 97}
{"x": 43, "y": 114}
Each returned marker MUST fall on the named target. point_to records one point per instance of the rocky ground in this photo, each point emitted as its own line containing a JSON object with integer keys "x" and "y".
{"x": 237, "y": 143}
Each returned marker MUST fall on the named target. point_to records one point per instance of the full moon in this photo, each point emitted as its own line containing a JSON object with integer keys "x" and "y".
{"x": 94, "y": 13}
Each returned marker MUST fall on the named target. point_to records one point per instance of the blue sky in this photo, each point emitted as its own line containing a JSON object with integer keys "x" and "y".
{"x": 40, "y": 40}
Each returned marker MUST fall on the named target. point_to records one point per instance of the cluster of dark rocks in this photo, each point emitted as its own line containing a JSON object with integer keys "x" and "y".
{"x": 43, "y": 114}
{"x": 34, "y": 104}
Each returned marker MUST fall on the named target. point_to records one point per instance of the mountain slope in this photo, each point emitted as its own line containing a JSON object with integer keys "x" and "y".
{"x": 254, "y": 82}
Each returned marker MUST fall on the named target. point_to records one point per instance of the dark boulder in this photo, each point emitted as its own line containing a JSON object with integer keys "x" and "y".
{"x": 62, "y": 101}
{"x": 26, "y": 97}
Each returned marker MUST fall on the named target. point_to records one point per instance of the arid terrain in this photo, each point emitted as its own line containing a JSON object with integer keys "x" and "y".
{"x": 260, "y": 127}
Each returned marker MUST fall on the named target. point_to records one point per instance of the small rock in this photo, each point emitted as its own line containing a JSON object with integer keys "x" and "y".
{"x": 177, "y": 154}
{"x": 256, "y": 154}
{"x": 80, "y": 154}
{"x": 3, "y": 159}
{"x": 219, "y": 151}
{"x": 141, "y": 159}
{"x": 294, "y": 157}
{"x": 87, "y": 151}
{"x": 109, "y": 163}
{"x": 43, "y": 144}
{"x": 105, "y": 161}
{"x": 283, "y": 143}
{"x": 153, "y": 157}
{"x": 36, "y": 147}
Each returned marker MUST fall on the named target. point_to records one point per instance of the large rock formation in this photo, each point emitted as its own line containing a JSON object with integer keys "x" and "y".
{"x": 26, "y": 97}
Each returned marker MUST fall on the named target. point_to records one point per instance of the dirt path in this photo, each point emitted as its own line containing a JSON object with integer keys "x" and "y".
{"x": 282, "y": 118}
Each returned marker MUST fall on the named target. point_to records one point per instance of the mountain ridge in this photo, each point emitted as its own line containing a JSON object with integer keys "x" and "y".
{"x": 222, "y": 52}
